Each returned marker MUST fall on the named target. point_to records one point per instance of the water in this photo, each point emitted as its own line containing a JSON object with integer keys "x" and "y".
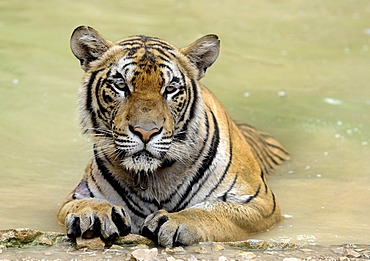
{"x": 297, "y": 69}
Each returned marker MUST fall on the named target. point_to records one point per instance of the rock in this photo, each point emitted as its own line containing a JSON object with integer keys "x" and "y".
{"x": 261, "y": 245}
{"x": 201, "y": 250}
{"x": 291, "y": 259}
{"x": 115, "y": 248}
{"x": 171, "y": 258}
{"x": 246, "y": 255}
{"x": 43, "y": 240}
{"x": 91, "y": 243}
{"x": 174, "y": 250}
{"x": 338, "y": 250}
{"x": 24, "y": 236}
{"x": 192, "y": 258}
{"x": 133, "y": 239}
{"x": 18, "y": 236}
{"x": 218, "y": 247}
{"x": 139, "y": 246}
{"x": 351, "y": 253}
{"x": 222, "y": 258}
{"x": 144, "y": 254}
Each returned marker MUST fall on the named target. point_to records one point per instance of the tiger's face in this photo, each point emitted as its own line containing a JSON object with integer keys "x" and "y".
{"x": 135, "y": 97}
{"x": 144, "y": 98}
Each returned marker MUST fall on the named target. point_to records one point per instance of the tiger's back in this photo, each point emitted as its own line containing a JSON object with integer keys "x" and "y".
{"x": 168, "y": 162}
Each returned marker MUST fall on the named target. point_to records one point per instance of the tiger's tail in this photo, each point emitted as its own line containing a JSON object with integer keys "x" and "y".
{"x": 267, "y": 150}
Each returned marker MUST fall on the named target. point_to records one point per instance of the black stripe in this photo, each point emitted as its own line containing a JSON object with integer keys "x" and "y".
{"x": 125, "y": 194}
{"x": 160, "y": 50}
{"x": 131, "y": 42}
{"x": 182, "y": 77}
{"x": 206, "y": 123}
{"x": 274, "y": 154}
{"x": 260, "y": 149}
{"x": 167, "y": 164}
{"x": 253, "y": 196}
{"x": 124, "y": 69}
{"x": 170, "y": 197}
{"x": 277, "y": 147}
{"x": 263, "y": 177}
{"x": 102, "y": 110}
{"x": 228, "y": 164}
{"x": 163, "y": 65}
{"x": 274, "y": 206}
{"x": 199, "y": 175}
{"x": 161, "y": 45}
{"x": 89, "y": 107}
{"x": 106, "y": 157}
{"x": 192, "y": 104}
{"x": 224, "y": 196}
{"x": 96, "y": 184}
{"x": 263, "y": 138}
{"x": 257, "y": 152}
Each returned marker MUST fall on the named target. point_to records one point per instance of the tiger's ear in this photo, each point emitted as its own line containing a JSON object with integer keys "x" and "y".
{"x": 203, "y": 52}
{"x": 88, "y": 45}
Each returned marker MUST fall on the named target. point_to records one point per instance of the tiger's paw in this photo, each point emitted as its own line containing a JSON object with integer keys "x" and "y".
{"x": 170, "y": 229}
{"x": 98, "y": 219}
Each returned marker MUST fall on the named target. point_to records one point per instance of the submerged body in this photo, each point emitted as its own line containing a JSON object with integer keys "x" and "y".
{"x": 169, "y": 162}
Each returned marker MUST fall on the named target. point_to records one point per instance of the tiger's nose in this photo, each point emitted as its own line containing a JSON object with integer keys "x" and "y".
{"x": 143, "y": 134}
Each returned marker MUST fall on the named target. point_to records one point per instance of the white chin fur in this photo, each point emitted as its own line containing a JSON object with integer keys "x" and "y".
{"x": 141, "y": 163}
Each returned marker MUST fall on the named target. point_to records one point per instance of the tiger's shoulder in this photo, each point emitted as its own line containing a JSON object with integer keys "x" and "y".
{"x": 266, "y": 150}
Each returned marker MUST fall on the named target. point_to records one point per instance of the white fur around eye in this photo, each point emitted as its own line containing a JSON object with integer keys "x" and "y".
{"x": 169, "y": 91}
{"x": 120, "y": 92}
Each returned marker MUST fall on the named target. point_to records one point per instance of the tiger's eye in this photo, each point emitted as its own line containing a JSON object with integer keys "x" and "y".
{"x": 170, "y": 89}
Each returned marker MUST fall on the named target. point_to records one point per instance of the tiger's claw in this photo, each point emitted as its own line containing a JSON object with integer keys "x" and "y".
{"x": 170, "y": 230}
{"x": 102, "y": 220}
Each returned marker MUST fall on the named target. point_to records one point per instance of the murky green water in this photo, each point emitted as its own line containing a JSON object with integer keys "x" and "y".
{"x": 297, "y": 69}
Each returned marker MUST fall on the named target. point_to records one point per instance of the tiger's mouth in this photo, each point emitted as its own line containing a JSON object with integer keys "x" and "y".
{"x": 141, "y": 162}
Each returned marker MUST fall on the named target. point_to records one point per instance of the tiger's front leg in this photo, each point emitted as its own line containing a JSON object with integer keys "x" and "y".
{"x": 218, "y": 221}
{"x": 89, "y": 218}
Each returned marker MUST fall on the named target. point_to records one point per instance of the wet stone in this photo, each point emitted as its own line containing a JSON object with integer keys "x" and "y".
{"x": 140, "y": 246}
{"x": 43, "y": 240}
{"x": 352, "y": 253}
{"x": 222, "y": 258}
{"x": 201, "y": 250}
{"x": 144, "y": 254}
{"x": 19, "y": 244}
{"x": 24, "y": 236}
{"x": 93, "y": 243}
{"x": 246, "y": 255}
{"x": 134, "y": 239}
{"x": 115, "y": 248}
{"x": 175, "y": 250}
{"x": 21, "y": 236}
{"x": 338, "y": 250}
{"x": 269, "y": 252}
{"x": 218, "y": 247}
{"x": 192, "y": 258}
{"x": 262, "y": 245}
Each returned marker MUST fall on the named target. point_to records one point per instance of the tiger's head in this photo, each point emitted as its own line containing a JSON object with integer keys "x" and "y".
{"x": 140, "y": 97}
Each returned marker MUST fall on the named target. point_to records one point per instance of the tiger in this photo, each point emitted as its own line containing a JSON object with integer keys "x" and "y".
{"x": 168, "y": 161}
